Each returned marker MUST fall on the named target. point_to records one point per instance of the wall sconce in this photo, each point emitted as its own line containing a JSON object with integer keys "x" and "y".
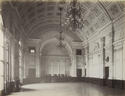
{"x": 32, "y": 49}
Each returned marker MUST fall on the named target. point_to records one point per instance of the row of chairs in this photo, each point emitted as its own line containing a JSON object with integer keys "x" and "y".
{"x": 57, "y": 78}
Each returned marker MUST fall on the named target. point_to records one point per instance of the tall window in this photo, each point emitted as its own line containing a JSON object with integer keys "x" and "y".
{"x": 1, "y": 53}
{"x": 1, "y": 40}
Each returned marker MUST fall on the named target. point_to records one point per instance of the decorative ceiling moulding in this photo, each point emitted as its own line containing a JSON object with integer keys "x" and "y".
{"x": 114, "y": 10}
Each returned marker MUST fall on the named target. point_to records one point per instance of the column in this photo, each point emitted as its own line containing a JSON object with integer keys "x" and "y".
{"x": 123, "y": 62}
{"x": 87, "y": 60}
{"x": 37, "y": 65}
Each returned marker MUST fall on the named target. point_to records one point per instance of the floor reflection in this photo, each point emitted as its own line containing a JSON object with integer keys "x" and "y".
{"x": 27, "y": 89}
{"x": 67, "y": 89}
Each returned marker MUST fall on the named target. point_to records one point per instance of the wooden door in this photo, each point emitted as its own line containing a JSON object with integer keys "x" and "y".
{"x": 32, "y": 73}
{"x": 79, "y": 72}
{"x": 106, "y": 76}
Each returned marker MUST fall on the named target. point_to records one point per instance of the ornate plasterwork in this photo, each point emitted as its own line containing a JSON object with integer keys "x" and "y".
{"x": 33, "y": 15}
{"x": 114, "y": 10}
{"x": 118, "y": 44}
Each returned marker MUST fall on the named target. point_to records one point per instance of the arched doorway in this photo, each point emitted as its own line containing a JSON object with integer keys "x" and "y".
{"x": 55, "y": 62}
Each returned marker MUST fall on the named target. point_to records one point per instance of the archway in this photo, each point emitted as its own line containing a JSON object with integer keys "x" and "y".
{"x": 55, "y": 61}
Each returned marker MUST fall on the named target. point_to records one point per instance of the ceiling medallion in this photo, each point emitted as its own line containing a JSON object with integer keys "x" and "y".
{"x": 61, "y": 38}
{"x": 74, "y": 18}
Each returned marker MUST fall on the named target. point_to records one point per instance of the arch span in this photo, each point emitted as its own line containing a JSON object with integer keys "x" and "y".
{"x": 68, "y": 48}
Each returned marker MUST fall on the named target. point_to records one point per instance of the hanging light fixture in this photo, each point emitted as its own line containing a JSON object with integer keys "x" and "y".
{"x": 61, "y": 38}
{"x": 74, "y": 18}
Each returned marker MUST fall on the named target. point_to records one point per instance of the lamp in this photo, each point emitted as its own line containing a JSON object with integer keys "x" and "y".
{"x": 61, "y": 39}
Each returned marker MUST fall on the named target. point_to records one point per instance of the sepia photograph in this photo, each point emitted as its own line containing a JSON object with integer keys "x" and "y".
{"x": 62, "y": 47}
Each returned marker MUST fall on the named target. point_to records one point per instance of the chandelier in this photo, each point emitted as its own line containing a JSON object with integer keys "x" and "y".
{"x": 61, "y": 38}
{"x": 74, "y": 18}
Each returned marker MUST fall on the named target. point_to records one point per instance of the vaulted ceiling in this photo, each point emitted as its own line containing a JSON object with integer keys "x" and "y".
{"x": 37, "y": 18}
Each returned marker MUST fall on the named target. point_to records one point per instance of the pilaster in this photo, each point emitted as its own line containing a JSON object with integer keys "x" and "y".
{"x": 73, "y": 66}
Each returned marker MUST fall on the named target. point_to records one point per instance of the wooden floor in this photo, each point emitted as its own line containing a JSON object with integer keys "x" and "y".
{"x": 67, "y": 89}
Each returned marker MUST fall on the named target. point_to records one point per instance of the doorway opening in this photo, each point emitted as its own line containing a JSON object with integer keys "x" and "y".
{"x": 79, "y": 72}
